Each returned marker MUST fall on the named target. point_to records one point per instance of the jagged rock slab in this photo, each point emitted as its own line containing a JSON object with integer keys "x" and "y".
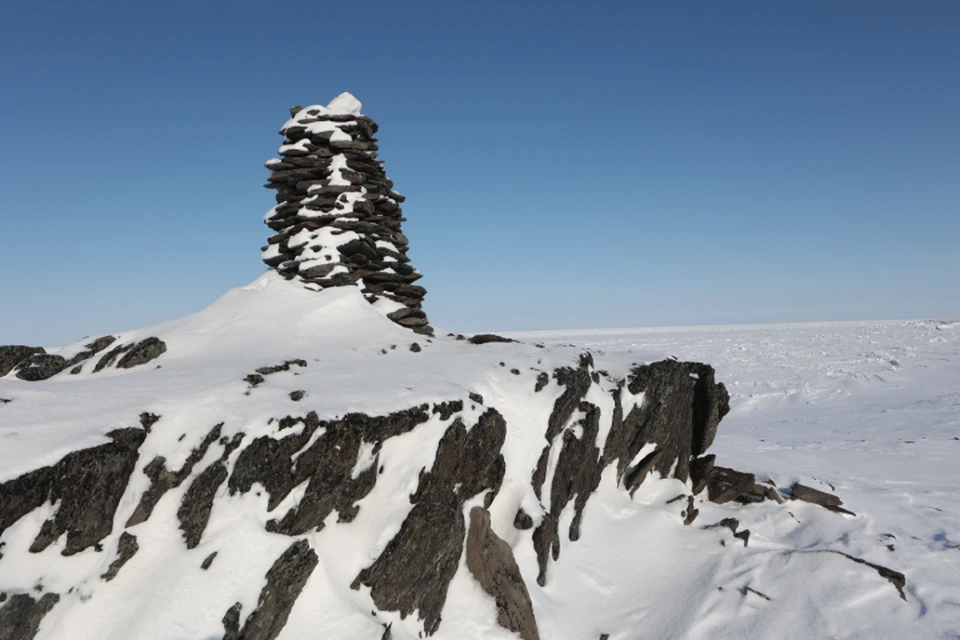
{"x": 491, "y": 562}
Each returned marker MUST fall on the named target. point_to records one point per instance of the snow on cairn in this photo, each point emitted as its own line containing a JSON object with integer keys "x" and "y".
{"x": 337, "y": 218}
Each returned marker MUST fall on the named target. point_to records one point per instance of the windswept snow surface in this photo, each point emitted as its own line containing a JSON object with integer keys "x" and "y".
{"x": 870, "y": 411}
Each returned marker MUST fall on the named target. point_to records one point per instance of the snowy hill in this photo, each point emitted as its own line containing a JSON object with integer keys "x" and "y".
{"x": 307, "y": 458}
{"x": 636, "y": 569}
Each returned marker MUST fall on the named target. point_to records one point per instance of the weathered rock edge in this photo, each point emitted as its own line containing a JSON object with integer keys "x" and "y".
{"x": 491, "y": 562}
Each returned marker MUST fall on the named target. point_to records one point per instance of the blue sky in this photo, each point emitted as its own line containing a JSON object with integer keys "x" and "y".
{"x": 566, "y": 165}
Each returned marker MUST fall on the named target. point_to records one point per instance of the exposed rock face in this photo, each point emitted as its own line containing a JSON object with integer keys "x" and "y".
{"x": 686, "y": 393}
{"x": 491, "y": 562}
{"x": 337, "y": 219}
{"x": 12, "y": 355}
{"x": 162, "y": 479}
{"x": 126, "y": 549}
{"x": 142, "y": 353}
{"x": 133, "y": 354}
{"x": 414, "y": 571}
{"x": 88, "y": 485}
{"x": 659, "y": 420}
{"x": 327, "y": 466}
{"x": 20, "y": 615}
{"x": 34, "y": 364}
{"x": 285, "y": 581}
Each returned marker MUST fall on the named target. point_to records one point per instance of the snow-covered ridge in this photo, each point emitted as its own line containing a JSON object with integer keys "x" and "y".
{"x": 300, "y": 439}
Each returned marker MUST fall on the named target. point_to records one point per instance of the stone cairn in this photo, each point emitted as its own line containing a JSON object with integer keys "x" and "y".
{"x": 337, "y": 218}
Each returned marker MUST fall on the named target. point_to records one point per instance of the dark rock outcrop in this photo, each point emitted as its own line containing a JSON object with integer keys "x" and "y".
{"x": 194, "y": 511}
{"x": 142, "y": 353}
{"x": 13, "y": 355}
{"x": 162, "y": 479}
{"x": 682, "y": 406}
{"x": 491, "y": 562}
{"x": 34, "y": 364}
{"x": 88, "y": 485}
{"x": 327, "y": 466}
{"x": 576, "y": 476}
{"x": 110, "y": 357}
{"x": 20, "y": 615}
{"x": 90, "y": 349}
{"x": 486, "y": 338}
{"x": 337, "y": 218}
{"x": 285, "y": 581}
{"x": 41, "y": 366}
{"x": 126, "y": 549}
{"x": 414, "y": 571}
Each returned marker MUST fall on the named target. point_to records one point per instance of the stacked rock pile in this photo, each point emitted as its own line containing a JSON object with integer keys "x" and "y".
{"x": 337, "y": 218}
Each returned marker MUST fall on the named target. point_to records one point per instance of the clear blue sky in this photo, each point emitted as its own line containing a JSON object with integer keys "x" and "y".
{"x": 566, "y": 165}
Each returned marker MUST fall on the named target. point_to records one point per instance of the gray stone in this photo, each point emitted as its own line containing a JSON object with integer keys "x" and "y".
{"x": 197, "y": 502}
{"x": 127, "y": 547}
{"x": 20, "y": 615}
{"x": 301, "y": 178}
{"x": 41, "y": 366}
{"x": 162, "y": 479}
{"x": 88, "y": 485}
{"x": 111, "y": 356}
{"x": 12, "y": 355}
{"x": 491, "y": 562}
{"x": 142, "y": 353}
{"x": 285, "y": 580}
{"x": 467, "y": 463}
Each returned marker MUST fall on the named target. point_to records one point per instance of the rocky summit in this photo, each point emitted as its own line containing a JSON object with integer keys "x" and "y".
{"x": 306, "y": 458}
{"x": 337, "y": 218}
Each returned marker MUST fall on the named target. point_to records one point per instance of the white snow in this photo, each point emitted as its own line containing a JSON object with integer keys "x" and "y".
{"x": 346, "y": 104}
{"x": 869, "y": 411}
{"x": 337, "y": 163}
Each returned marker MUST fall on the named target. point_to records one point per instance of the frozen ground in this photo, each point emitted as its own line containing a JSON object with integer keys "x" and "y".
{"x": 869, "y": 411}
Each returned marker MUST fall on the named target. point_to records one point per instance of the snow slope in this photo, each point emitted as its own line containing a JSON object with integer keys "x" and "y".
{"x": 870, "y": 409}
